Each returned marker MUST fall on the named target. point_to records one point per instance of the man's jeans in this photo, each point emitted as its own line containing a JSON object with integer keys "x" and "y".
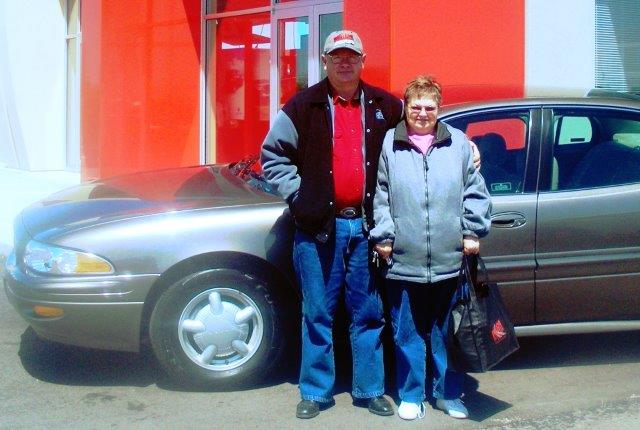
{"x": 418, "y": 314}
{"x": 323, "y": 269}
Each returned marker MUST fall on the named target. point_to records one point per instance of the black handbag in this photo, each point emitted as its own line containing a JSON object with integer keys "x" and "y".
{"x": 480, "y": 331}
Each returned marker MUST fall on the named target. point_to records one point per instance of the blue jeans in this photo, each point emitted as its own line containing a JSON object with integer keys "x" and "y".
{"x": 323, "y": 270}
{"x": 418, "y": 314}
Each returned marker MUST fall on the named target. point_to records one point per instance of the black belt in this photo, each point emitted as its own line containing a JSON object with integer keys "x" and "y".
{"x": 349, "y": 213}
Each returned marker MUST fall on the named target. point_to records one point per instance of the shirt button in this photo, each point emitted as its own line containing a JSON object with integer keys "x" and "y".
{"x": 368, "y": 130}
{"x": 331, "y": 172}
{"x": 368, "y": 194}
{"x": 368, "y": 164}
{"x": 330, "y": 203}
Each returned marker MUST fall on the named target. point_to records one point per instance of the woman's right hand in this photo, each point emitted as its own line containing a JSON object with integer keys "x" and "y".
{"x": 384, "y": 250}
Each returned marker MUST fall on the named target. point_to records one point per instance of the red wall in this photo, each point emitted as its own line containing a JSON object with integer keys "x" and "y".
{"x": 474, "y": 48}
{"x": 371, "y": 19}
{"x": 140, "y": 85}
{"x": 141, "y": 68}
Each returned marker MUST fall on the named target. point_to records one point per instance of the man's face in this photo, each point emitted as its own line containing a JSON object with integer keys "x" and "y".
{"x": 343, "y": 66}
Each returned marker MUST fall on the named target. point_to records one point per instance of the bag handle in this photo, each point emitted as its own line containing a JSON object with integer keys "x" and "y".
{"x": 474, "y": 271}
{"x": 469, "y": 265}
{"x": 466, "y": 284}
{"x": 482, "y": 269}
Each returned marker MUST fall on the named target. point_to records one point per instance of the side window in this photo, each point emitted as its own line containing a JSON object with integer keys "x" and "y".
{"x": 502, "y": 141}
{"x": 572, "y": 130}
{"x": 595, "y": 148}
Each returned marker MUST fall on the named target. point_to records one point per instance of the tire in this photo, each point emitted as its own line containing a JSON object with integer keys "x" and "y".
{"x": 217, "y": 329}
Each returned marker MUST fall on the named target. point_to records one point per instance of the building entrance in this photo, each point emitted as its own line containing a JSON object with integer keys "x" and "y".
{"x": 258, "y": 59}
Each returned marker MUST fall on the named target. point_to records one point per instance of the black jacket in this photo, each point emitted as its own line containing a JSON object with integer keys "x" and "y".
{"x": 297, "y": 154}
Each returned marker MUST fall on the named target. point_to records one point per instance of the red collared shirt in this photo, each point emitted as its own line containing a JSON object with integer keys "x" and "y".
{"x": 348, "y": 174}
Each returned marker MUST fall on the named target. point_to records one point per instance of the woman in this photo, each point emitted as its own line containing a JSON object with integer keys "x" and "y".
{"x": 431, "y": 205}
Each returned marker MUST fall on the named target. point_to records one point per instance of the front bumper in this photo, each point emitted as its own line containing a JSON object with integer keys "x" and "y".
{"x": 99, "y": 312}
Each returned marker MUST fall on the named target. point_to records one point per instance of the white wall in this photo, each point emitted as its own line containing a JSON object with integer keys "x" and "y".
{"x": 32, "y": 84}
{"x": 559, "y": 47}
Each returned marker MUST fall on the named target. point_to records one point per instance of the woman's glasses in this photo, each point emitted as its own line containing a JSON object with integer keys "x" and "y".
{"x": 417, "y": 109}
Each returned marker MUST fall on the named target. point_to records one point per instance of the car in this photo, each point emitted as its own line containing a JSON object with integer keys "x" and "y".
{"x": 196, "y": 262}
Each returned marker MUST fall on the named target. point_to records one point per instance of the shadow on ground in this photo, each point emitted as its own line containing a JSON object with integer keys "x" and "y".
{"x": 534, "y": 353}
{"x": 575, "y": 350}
{"x": 554, "y": 351}
{"x": 67, "y": 365}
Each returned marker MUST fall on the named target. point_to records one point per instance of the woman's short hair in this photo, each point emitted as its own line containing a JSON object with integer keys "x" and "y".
{"x": 423, "y": 86}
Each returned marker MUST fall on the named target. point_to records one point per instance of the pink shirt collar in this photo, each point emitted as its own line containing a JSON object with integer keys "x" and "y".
{"x": 422, "y": 142}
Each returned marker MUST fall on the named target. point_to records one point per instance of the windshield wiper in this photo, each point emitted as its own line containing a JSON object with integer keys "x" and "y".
{"x": 243, "y": 167}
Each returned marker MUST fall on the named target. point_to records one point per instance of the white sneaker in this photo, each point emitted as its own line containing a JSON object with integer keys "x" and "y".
{"x": 411, "y": 411}
{"x": 454, "y": 408}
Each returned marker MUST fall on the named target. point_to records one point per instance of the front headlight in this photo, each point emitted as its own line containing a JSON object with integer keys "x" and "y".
{"x": 55, "y": 260}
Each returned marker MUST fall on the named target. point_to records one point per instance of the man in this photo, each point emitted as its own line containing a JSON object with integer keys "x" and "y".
{"x": 322, "y": 155}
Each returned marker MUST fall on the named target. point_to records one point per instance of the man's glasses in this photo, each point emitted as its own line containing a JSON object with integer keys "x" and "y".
{"x": 351, "y": 59}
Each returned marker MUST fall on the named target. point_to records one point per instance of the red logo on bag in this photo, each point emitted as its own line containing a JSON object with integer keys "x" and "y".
{"x": 498, "y": 334}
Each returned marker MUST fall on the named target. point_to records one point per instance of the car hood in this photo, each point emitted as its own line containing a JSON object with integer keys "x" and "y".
{"x": 140, "y": 194}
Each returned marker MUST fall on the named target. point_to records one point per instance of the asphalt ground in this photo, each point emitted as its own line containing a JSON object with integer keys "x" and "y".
{"x": 559, "y": 382}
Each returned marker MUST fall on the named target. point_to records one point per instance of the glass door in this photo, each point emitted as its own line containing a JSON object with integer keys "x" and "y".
{"x": 238, "y": 76}
{"x": 292, "y": 56}
{"x": 329, "y": 19}
{"x": 295, "y": 61}
{"x": 257, "y": 58}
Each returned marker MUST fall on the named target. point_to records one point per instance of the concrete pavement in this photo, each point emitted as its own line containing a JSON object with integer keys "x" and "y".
{"x": 20, "y": 188}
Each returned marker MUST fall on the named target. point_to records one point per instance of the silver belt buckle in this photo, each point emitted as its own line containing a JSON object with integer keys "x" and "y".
{"x": 349, "y": 212}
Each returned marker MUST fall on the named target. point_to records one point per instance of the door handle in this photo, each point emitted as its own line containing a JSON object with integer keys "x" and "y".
{"x": 508, "y": 220}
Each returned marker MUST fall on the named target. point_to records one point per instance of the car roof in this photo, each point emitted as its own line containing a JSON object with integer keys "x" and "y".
{"x": 592, "y": 101}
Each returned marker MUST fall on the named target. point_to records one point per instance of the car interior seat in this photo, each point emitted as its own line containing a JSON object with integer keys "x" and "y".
{"x": 493, "y": 152}
{"x": 608, "y": 163}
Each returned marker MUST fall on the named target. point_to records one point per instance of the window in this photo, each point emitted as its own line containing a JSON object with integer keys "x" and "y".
{"x": 617, "y": 45}
{"x": 293, "y": 56}
{"x": 575, "y": 129}
{"x": 595, "y": 149}
{"x": 238, "y": 76}
{"x": 328, "y": 22}
{"x": 502, "y": 141}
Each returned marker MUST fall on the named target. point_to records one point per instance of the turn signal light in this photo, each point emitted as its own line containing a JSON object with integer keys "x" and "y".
{"x": 47, "y": 311}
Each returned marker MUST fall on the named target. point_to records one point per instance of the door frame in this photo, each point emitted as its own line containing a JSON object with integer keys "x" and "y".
{"x": 312, "y": 12}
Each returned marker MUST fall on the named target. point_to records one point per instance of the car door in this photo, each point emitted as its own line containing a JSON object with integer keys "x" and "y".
{"x": 588, "y": 231}
{"x": 508, "y": 139}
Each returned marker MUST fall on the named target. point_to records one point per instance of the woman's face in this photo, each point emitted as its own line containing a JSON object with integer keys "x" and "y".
{"x": 421, "y": 113}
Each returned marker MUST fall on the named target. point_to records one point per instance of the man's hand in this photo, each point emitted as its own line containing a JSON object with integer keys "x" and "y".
{"x": 476, "y": 155}
{"x": 384, "y": 250}
{"x": 470, "y": 245}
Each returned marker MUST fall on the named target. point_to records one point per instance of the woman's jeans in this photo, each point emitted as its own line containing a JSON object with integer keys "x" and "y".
{"x": 418, "y": 314}
{"x": 323, "y": 269}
